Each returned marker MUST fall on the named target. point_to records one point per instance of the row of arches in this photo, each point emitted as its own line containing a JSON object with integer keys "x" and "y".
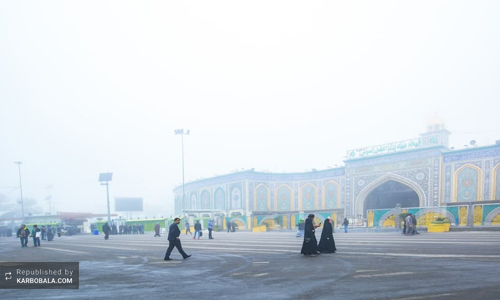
{"x": 468, "y": 183}
{"x": 204, "y": 201}
{"x": 308, "y": 197}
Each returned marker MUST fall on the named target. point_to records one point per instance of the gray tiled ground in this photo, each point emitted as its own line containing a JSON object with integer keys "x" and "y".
{"x": 244, "y": 265}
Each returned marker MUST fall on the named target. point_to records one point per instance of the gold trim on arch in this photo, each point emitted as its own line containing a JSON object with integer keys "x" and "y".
{"x": 315, "y": 195}
{"x": 255, "y": 197}
{"x": 495, "y": 180}
{"x": 338, "y": 193}
{"x": 479, "y": 181}
{"x": 276, "y": 196}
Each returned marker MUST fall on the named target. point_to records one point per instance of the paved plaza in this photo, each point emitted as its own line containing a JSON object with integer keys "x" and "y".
{"x": 245, "y": 265}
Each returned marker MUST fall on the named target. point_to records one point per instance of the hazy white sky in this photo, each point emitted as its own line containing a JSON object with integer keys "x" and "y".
{"x": 95, "y": 86}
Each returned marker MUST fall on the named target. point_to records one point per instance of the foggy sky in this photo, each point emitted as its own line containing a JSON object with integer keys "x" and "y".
{"x": 97, "y": 86}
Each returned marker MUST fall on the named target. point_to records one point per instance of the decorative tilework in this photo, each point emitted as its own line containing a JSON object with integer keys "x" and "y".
{"x": 471, "y": 155}
{"x": 486, "y": 188}
{"x": 193, "y": 201}
{"x": 284, "y": 194}
{"x": 262, "y": 201}
{"x": 236, "y": 196}
{"x": 435, "y": 185}
{"x": 467, "y": 184}
{"x": 205, "y": 200}
{"x": 331, "y": 195}
{"x": 308, "y": 197}
{"x": 496, "y": 188}
{"x": 447, "y": 184}
{"x": 219, "y": 199}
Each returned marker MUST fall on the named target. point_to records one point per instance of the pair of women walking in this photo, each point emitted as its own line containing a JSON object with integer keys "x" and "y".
{"x": 326, "y": 243}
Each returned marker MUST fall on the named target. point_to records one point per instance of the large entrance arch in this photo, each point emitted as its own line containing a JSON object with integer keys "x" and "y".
{"x": 390, "y": 193}
{"x": 359, "y": 203}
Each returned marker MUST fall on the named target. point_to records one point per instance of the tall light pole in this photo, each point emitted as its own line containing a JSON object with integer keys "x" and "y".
{"x": 182, "y": 134}
{"x": 105, "y": 178}
{"x": 20, "y": 187}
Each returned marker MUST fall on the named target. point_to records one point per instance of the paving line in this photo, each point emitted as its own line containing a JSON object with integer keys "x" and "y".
{"x": 65, "y": 250}
{"x": 429, "y": 296}
{"x": 423, "y": 255}
{"x": 260, "y": 275}
{"x": 383, "y": 275}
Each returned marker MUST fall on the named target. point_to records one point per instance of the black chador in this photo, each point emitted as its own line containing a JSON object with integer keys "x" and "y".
{"x": 327, "y": 243}
{"x": 310, "y": 244}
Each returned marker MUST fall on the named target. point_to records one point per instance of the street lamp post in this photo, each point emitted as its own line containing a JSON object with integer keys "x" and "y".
{"x": 105, "y": 178}
{"x": 20, "y": 187}
{"x": 182, "y": 134}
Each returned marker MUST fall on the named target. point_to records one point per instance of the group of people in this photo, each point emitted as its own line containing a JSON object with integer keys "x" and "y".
{"x": 37, "y": 234}
{"x": 122, "y": 229}
{"x": 310, "y": 246}
{"x": 410, "y": 225}
{"x": 5, "y": 231}
{"x": 301, "y": 227}
{"x": 198, "y": 229}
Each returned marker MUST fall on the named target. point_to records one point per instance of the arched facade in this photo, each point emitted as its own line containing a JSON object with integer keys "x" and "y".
{"x": 261, "y": 198}
{"x": 219, "y": 199}
{"x": 360, "y": 200}
{"x": 284, "y": 198}
{"x": 496, "y": 182}
{"x": 308, "y": 197}
{"x": 468, "y": 183}
{"x": 439, "y": 176}
{"x": 205, "y": 199}
{"x": 331, "y": 195}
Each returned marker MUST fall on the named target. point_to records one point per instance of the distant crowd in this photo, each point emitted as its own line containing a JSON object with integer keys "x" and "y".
{"x": 121, "y": 229}
{"x": 43, "y": 233}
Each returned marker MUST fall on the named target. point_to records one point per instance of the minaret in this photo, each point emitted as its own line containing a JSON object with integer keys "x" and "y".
{"x": 437, "y": 134}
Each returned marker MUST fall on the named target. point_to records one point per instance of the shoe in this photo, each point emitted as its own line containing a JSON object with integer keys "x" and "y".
{"x": 198, "y": 238}
{"x": 193, "y": 237}
{"x": 187, "y": 256}
{"x": 167, "y": 258}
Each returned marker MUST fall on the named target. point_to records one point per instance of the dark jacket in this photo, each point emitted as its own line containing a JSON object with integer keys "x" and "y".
{"x": 26, "y": 232}
{"x": 105, "y": 228}
{"x": 173, "y": 232}
{"x": 197, "y": 226}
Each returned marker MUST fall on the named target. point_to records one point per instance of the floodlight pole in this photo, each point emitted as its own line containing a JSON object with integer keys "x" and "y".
{"x": 20, "y": 187}
{"x": 106, "y": 177}
{"x": 107, "y": 194}
{"x": 182, "y": 133}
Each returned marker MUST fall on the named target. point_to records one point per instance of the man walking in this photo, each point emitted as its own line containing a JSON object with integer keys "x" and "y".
{"x": 188, "y": 227}
{"x": 409, "y": 225}
{"x": 44, "y": 233}
{"x": 302, "y": 226}
{"x": 174, "y": 240}
{"x": 345, "y": 223}
{"x": 197, "y": 229}
{"x": 36, "y": 233}
{"x": 106, "y": 229}
{"x": 210, "y": 227}
{"x": 23, "y": 234}
{"x": 157, "y": 230}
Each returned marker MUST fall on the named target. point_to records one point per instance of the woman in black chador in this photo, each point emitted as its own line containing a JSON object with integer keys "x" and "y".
{"x": 310, "y": 244}
{"x": 327, "y": 243}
